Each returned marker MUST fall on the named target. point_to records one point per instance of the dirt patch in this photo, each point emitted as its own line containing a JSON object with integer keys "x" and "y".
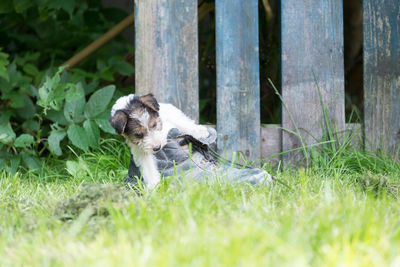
{"x": 377, "y": 184}
{"x": 94, "y": 200}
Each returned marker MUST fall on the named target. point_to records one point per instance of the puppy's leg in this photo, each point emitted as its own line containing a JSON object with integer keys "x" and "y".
{"x": 151, "y": 175}
{"x": 198, "y": 131}
{"x": 185, "y": 125}
{"x": 147, "y": 165}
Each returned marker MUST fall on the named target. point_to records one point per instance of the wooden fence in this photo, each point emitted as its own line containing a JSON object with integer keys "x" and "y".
{"x": 311, "y": 46}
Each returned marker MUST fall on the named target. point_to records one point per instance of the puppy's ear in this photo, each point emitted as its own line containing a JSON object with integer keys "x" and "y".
{"x": 118, "y": 121}
{"x": 150, "y": 101}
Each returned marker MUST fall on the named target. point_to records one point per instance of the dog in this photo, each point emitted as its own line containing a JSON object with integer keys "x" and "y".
{"x": 144, "y": 123}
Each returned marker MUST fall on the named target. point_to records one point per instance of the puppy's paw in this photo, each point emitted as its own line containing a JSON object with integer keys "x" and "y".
{"x": 200, "y": 132}
{"x": 152, "y": 183}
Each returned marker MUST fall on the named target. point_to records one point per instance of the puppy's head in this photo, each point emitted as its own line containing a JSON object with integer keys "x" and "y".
{"x": 140, "y": 123}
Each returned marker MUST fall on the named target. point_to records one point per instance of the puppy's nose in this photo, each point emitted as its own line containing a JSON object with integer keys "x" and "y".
{"x": 156, "y": 148}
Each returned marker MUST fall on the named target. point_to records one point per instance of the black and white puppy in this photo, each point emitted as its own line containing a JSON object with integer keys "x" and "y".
{"x": 145, "y": 123}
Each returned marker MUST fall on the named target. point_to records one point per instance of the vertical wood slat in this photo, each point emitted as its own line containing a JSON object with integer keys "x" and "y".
{"x": 238, "y": 89}
{"x": 166, "y": 55}
{"x": 311, "y": 41}
{"x": 382, "y": 74}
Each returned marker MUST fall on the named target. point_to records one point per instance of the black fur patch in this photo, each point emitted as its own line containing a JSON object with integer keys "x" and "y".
{"x": 119, "y": 121}
{"x": 150, "y": 102}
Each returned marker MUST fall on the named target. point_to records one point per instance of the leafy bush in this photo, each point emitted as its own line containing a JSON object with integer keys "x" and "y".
{"x": 41, "y": 105}
{"x": 28, "y": 131}
{"x": 70, "y": 115}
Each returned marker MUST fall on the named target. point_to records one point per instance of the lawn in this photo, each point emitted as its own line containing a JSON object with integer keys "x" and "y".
{"x": 342, "y": 212}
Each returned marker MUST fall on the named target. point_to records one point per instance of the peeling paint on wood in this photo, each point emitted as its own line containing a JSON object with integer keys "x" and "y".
{"x": 166, "y": 55}
{"x": 238, "y": 89}
{"x": 311, "y": 41}
{"x": 382, "y": 74}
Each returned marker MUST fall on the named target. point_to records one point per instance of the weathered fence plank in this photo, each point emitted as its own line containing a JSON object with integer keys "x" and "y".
{"x": 312, "y": 41}
{"x": 166, "y": 55}
{"x": 382, "y": 74}
{"x": 271, "y": 140}
{"x": 238, "y": 89}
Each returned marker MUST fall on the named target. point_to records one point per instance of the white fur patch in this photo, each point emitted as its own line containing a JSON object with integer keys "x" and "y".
{"x": 143, "y": 119}
{"x": 147, "y": 165}
{"x": 121, "y": 103}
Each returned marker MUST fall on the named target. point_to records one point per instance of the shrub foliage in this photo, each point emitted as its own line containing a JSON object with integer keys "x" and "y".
{"x": 41, "y": 104}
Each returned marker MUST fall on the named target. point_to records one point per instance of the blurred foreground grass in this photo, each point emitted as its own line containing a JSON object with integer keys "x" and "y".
{"x": 324, "y": 217}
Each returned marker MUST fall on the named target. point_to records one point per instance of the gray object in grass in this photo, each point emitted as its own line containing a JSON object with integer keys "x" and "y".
{"x": 199, "y": 163}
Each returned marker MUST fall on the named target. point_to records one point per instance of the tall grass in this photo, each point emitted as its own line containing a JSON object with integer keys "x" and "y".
{"x": 337, "y": 151}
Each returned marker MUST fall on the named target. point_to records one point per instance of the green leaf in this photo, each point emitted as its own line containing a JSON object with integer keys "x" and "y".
{"x": 3, "y": 63}
{"x": 74, "y": 92}
{"x": 13, "y": 75}
{"x": 14, "y": 164}
{"x": 73, "y": 110}
{"x": 31, "y": 161}
{"x": 88, "y": 87}
{"x": 101, "y": 64}
{"x": 28, "y": 89}
{"x": 78, "y": 136}
{"x": 67, "y": 5}
{"x": 79, "y": 73}
{"x": 57, "y": 116}
{"x": 5, "y": 116}
{"x": 105, "y": 74}
{"x": 7, "y": 134}
{"x": 123, "y": 68}
{"x": 17, "y": 78}
{"x": 98, "y": 101}
{"x": 47, "y": 97}
{"x": 24, "y": 140}
{"x": 30, "y": 69}
{"x": 28, "y": 110}
{"x": 28, "y": 57}
{"x": 57, "y": 97}
{"x": 78, "y": 168}
{"x": 105, "y": 126}
{"x": 22, "y": 5}
{"x": 17, "y": 99}
{"x": 56, "y": 136}
{"x": 31, "y": 125}
{"x": 93, "y": 132}
{"x": 2, "y": 163}
{"x": 72, "y": 167}
{"x": 5, "y": 85}
{"x": 44, "y": 93}
{"x": 103, "y": 121}
{"x": 91, "y": 87}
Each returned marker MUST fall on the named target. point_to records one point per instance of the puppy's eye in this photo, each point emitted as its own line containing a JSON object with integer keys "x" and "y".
{"x": 138, "y": 135}
{"x": 153, "y": 125}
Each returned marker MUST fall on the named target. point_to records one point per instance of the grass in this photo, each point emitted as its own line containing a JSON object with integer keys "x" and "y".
{"x": 342, "y": 211}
